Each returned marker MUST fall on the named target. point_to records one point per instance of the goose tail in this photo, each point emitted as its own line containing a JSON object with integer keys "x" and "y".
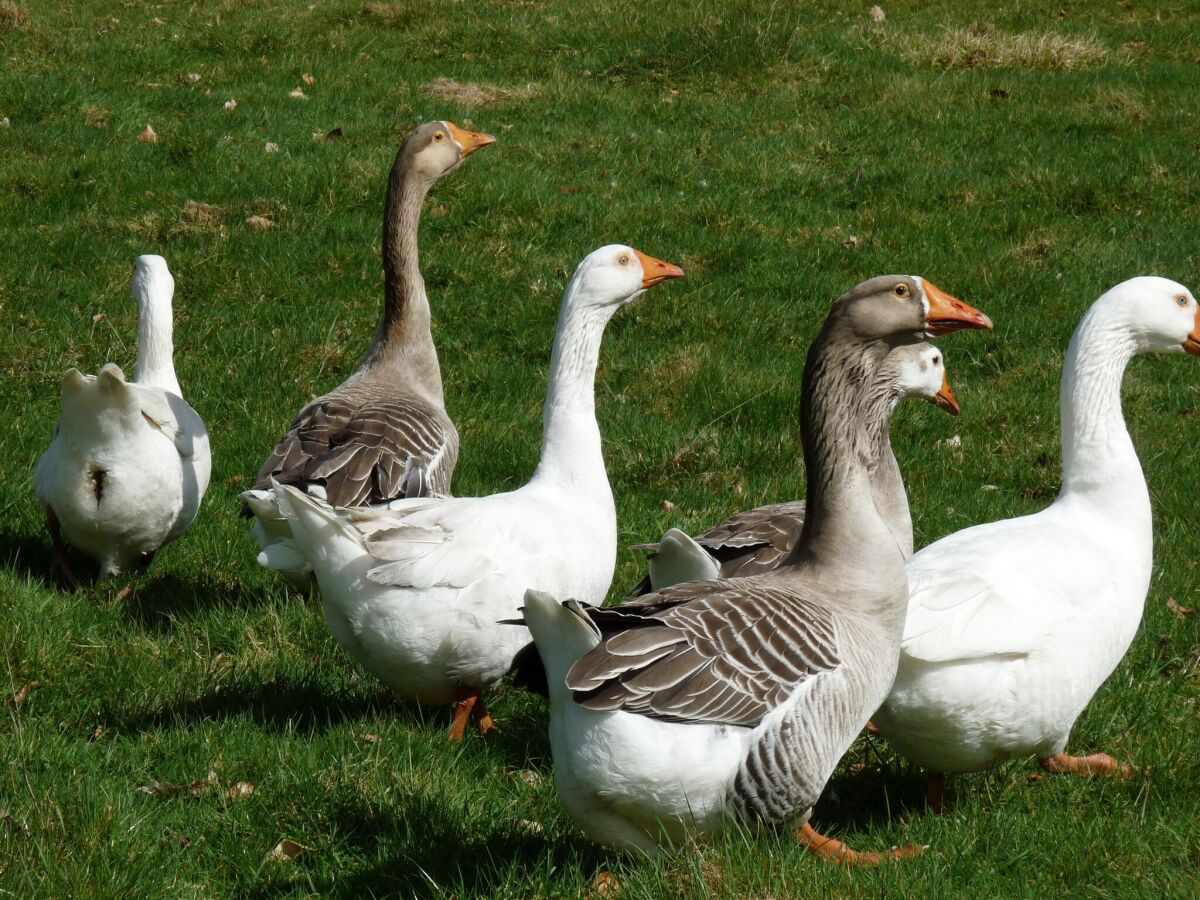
{"x": 562, "y": 632}
{"x": 320, "y": 537}
{"x": 678, "y": 560}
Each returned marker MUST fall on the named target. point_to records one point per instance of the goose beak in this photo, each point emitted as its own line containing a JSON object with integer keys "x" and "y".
{"x": 655, "y": 271}
{"x": 468, "y": 141}
{"x": 944, "y": 399}
{"x": 1192, "y": 344}
{"x": 946, "y": 314}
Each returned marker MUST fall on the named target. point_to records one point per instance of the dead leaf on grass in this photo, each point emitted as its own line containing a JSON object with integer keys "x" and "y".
{"x": 606, "y": 885}
{"x": 163, "y": 790}
{"x": 308, "y": 79}
{"x": 472, "y": 94}
{"x": 287, "y": 850}
{"x": 260, "y": 223}
{"x": 1180, "y": 612}
{"x": 271, "y": 147}
{"x": 22, "y": 694}
{"x": 147, "y": 136}
{"x": 298, "y": 94}
{"x": 231, "y": 104}
{"x": 877, "y": 14}
{"x": 190, "y": 78}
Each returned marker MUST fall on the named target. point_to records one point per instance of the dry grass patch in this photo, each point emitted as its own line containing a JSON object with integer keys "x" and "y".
{"x": 468, "y": 93}
{"x": 13, "y": 17}
{"x": 978, "y": 46}
{"x": 202, "y": 215}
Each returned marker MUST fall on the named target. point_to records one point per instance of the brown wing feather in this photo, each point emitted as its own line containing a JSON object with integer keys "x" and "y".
{"x": 718, "y": 652}
{"x": 366, "y": 453}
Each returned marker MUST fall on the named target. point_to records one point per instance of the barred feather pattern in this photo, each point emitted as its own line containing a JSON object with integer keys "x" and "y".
{"x": 714, "y": 652}
{"x": 366, "y": 443}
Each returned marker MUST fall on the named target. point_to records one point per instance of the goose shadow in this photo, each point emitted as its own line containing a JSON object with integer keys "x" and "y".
{"x": 29, "y": 554}
{"x": 421, "y": 851}
{"x": 282, "y": 704}
{"x": 159, "y": 600}
{"x": 869, "y": 790}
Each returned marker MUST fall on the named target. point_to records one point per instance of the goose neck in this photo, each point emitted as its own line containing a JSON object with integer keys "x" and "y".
{"x": 571, "y": 449}
{"x": 1099, "y": 459}
{"x": 843, "y": 531}
{"x": 403, "y": 344}
{"x": 155, "y": 359}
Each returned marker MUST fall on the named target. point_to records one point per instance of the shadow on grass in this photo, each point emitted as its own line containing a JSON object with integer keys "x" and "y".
{"x": 161, "y": 599}
{"x": 280, "y": 704}
{"x": 416, "y": 847}
{"x": 29, "y": 555}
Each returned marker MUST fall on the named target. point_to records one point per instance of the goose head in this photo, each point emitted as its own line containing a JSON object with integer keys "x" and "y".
{"x": 438, "y": 148}
{"x": 615, "y": 275}
{"x": 1160, "y": 314}
{"x": 892, "y": 306}
{"x": 152, "y": 281}
{"x": 920, "y": 371}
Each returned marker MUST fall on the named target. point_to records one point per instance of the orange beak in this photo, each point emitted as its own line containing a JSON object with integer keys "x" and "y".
{"x": 1192, "y": 344}
{"x": 947, "y": 314}
{"x": 469, "y": 141}
{"x": 944, "y": 399}
{"x": 655, "y": 270}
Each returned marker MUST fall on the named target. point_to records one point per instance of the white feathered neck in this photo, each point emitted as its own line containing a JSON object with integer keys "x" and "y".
{"x": 571, "y": 449}
{"x": 1099, "y": 460}
{"x": 154, "y": 288}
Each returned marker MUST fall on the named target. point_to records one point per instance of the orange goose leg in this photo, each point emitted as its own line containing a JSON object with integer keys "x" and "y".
{"x": 1085, "y": 766}
{"x": 465, "y": 699}
{"x": 835, "y": 851}
{"x": 468, "y": 704}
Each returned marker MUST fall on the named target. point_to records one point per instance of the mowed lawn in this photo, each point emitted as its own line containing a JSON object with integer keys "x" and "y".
{"x": 1024, "y": 157}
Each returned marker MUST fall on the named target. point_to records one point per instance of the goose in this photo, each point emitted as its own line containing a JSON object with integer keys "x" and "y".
{"x": 129, "y": 461}
{"x": 383, "y": 433}
{"x": 415, "y": 590}
{"x": 1013, "y": 625}
{"x": 675, "y": 711}
{"x": 758, "y": 540}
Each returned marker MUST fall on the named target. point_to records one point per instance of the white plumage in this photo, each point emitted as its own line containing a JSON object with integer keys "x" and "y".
{"x": 1013, "y": 625}
{"x": 129, "y": 462}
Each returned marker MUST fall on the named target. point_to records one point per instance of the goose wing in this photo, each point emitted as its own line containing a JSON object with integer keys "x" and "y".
{"x": 368, "y": 453}
{"x": 724, "y": 652}
{"x": 755, "y": 541}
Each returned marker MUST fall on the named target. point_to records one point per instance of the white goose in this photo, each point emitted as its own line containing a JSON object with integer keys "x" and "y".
{"x": 1013, "y": 625}
{"x": 758, "y": 540}
{"x": 129, "y": 462}
{"x": 415, "y": 591}
{"x": 673, "y": 712}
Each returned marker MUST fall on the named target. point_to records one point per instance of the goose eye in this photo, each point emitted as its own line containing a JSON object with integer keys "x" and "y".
{"x": 937, "y": 360}
{"x": 900, "y": 290}
{"x": 623, "y": 259}
{"x": 439, "y": 136}
{"x": 1182, "y": 300}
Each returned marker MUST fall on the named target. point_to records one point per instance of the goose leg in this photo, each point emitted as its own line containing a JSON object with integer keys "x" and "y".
{"x": 937, "y": 792}
{"x": 465, "y": 699}
{"x": 482, "y": 718}
{"x": 835, "y": 851}
{"x": 60, "y": 565}
{"x": 1085, "y": 766}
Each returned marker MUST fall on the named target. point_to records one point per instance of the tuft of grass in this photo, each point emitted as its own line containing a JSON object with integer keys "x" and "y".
{"x": 474, "y": 95}
{"x": 986, "y": 46}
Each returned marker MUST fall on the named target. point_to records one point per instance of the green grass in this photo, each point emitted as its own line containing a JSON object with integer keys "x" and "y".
{"x": 1024, "y": 159}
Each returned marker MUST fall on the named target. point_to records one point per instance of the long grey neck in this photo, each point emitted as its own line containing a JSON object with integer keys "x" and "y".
{"x": 844, "y": 539}
{"x": 1100, "y": 464}
{"x": 571, "y": 448}
{"x": 155, "y": 359}
{"x": 403, "y": 347}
